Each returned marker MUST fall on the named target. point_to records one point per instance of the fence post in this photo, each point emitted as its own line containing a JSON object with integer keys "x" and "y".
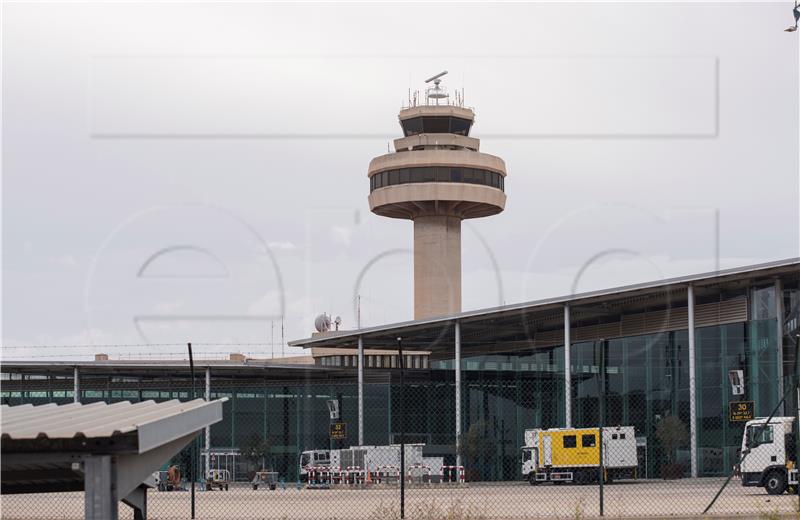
{"x": 193, "y": 450}
{"x": 602, "y": 382}
{"x": 402, "y": 433}
{"x": 457, "y": 367}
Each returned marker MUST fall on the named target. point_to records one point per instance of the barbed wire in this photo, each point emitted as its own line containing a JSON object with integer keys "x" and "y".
{"x": 139, "y": 345}
{"x": 198, "y": 355}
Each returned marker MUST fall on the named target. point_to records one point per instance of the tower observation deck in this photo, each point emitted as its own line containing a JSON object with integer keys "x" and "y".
{"x": 437, "y": 177}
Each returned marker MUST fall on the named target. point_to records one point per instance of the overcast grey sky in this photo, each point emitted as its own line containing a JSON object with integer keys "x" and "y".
{"x": 177, "y": 172}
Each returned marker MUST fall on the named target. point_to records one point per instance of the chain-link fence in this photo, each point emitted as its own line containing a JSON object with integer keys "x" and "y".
{"x": 292, "y": 448}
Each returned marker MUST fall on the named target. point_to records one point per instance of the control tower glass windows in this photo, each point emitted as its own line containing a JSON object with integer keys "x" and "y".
{"x": 436, "y": 125}
{"x": 437, "y": 174}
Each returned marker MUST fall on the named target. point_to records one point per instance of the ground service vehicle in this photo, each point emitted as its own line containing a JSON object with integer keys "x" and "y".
{"x": 573, "y": 454}
{"x": 265, "y": 478}
{"x": 769, "y": 454}
{"x": 169, "y": 479}
{"x": 313, "y": 458}
{"x": 218, "y": 478}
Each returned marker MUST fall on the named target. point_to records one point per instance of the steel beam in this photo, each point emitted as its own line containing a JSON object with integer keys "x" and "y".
{"x": 692, "y": 383}
{"x": 779, "y": 339}
{"x": 100, "y": 495}
{"x": 208, "y": 428}
{"x": 76, "y": 385}
{"x": 567, "y": 370}
{"x": 360, "y": 391}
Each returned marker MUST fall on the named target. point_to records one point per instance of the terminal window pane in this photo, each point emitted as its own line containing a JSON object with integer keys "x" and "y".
{"x": 436, "y": 174}
{"x": 459, "y": 126}
{"x": 427, "y": 175}
{"x": 588, "y": 441}
{"x": 412, "y": 126}
{"x": 436, "y": 125}
{"x": 570, "y": 441}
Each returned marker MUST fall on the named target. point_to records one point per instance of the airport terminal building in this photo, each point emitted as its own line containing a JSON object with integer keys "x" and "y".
{"x": 475, "y": 381}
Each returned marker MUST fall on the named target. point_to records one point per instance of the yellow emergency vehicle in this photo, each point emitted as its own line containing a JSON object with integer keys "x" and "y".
{"x": 573, "y": 454}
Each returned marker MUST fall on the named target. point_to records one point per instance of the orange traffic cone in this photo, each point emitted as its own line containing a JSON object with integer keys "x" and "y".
{"x": 369, "y": 477}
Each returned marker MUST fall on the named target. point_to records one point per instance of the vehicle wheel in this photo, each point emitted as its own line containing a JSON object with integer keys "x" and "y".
{"x": 226, "y": 487}
{"x": 775, "y": 483}
{"x": 255, "y": 487}
{"x": 532, "y": 479}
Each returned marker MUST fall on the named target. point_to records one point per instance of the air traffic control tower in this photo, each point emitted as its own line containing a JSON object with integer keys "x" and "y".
{"x": 437, "y": 177}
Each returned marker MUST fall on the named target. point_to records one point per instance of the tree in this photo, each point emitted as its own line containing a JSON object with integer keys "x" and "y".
{"x": 672, "y": 434}
{"x": 256, "y": 450}
{"x": 476, "y": 444}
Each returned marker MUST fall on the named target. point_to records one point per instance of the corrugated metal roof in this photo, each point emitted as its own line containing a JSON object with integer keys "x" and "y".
{"x": 51, "y": 421}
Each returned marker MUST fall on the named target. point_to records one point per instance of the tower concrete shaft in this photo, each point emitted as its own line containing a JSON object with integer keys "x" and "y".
{"x": 437, "y": 177}
{"x": 437, "y": 265}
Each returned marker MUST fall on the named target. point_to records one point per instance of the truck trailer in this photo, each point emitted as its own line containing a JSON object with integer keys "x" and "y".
{"x": 573, "y": 454}
{"x": 371, "y": 459}
{"x": 769, "y": 454}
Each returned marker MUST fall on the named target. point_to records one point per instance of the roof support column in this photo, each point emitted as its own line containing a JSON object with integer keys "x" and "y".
{"x": 692, "y": 383}
{"x": 779, "y": 339}
{"x": 100, "y": 495}
{"x": 567, "y": 371}
{"x": 208, "y": 428}
{"x": 458, "y": 392}
{"x": 76, "y": 385}
{"x": 360, "y": 391}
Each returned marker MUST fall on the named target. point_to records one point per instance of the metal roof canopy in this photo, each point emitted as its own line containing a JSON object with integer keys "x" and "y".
{"x": 106, "y": 450}
{"x": 437, "y": 334}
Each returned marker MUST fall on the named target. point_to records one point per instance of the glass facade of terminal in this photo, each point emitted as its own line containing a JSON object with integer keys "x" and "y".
{"x": 503, "y": 394}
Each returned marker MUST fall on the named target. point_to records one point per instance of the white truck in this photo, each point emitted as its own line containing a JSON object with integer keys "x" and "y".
{"x": 370, "y": 458}
{"x": 573, "y": 454}
{"x": 769, "y": 454}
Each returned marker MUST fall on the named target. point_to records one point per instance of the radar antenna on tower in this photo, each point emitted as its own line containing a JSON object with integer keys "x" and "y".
{"x": 436, "y": 92}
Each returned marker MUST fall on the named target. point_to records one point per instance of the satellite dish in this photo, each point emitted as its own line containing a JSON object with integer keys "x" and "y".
{"x": 322, "y": 323}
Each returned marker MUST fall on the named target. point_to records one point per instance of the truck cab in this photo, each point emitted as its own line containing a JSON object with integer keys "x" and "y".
{"x": 769, "y": 454}
{"x": 312, "y": 459}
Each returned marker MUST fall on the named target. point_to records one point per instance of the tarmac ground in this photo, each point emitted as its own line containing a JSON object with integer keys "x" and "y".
{"x": 472, "y": 501}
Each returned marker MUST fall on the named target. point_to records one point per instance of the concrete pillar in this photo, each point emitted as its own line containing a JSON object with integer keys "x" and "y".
{"x": 208, "y": 428}
{"x": 567, "y": 371}
{"x": 437, "y": 266}
{"x": 360, "y": 391}
{"x": 458, "y": 392}
{"x": 692, "y": 383}
{"x": 76, "y": 385}
{"x": 779, "y": 340}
